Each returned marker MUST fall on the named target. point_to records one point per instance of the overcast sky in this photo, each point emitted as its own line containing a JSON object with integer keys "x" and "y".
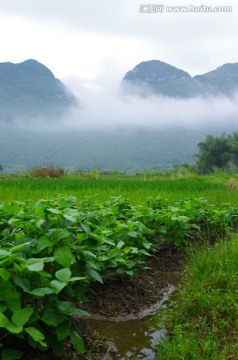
{"x": 93, "y": 39}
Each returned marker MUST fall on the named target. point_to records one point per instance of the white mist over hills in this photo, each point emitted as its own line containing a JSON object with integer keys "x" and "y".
{"x": 105, "y": 106}
{"x": 114, "y": 129}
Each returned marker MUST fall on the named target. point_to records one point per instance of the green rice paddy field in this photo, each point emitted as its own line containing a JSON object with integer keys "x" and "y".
{"x": 213, "y": 188}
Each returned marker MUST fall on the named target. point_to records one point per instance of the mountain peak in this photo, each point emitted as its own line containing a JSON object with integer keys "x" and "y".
{"x": 35, "y": 67}
{"x": 156, "y": 71}
{"x": 157, "y": 77}
{"x": 29, "y": 89}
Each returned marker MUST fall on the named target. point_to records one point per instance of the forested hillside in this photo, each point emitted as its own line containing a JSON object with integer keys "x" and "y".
{"x": 130, "y": 150}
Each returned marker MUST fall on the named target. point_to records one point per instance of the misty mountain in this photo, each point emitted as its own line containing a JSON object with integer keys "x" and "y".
{"x": 223, "y": 80}
{"x": 109, "y": 131}
{"x": 29, "y": 89}
{"x": 157, "y": 77}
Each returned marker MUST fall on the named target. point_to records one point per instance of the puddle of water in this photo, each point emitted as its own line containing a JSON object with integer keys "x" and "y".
{"x": 172, "y": 278}
{"x": 135, "y": 338}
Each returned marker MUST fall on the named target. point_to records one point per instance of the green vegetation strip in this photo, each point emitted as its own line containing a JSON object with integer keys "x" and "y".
{"x": 215, "y": 189}
{"x": 51, "y": 251}
{"x": 202, "y": 321}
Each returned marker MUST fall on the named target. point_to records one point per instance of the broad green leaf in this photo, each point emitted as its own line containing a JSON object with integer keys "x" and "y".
{"x": 113, "y": 252}
{"x": 82, "y": 236}
{"x": 63, "y": 275}
{"x": 133, "y": 234}
{"x": 112, "y": 263}
{"x": 14, "y": 221}
{"x": 57, "y": 286}
{"x": 77, "y": 341}
{"x": 6, "y": 261}
{"x": 6, "y": 324}
{"x": 14, "y": 305}
{"x": 54, "y": 211}
{"x": 52, "y": 317}
{"x": 120, "y": 244}
{"x": 41, "y": 292}
{"x": 10, "y": 354}
{"x": 147, "y": 245}
{"x": 127, "y": 250}
{"x": 21, "y": 317}
{"x": 95, "y": 237}
{"x": 131, "y": 264}
{"x": 36, "y": 335}
{"x": 86, "y": 228}
{"x": 76, "y": 312}
{"x": 67, "y": 308}
{"x": 8, "y": 292}
{"x": 40, "y": 222}
{"x": 130, "y": 272}
{"x": 120, "y": 259}
{"x": 103, "y": 258}
{"x": 23, "y": 283}
{"x": 64, "y": 306}
{"x": 60, "y": 234}
{"x": 43, "y": 243}
{"x": 144, "y": 252}
{"x": 72, "y": 212}
{"x": 4, "y": 274}
{"x": 12, "y": 209}
{"x": 45, "y": 274}
{"x": 35, "y": 264}
{"x": 64, "y": 256}
{"x": 4, "y": 253}
{"x": 2, "y": 308}
{"x": 70, "y": 218}
{"x": 94, "y": 274}
{"x": 20, "y": 247}
{"x": 89, "y": 253}
{"x": 62, "y": 331}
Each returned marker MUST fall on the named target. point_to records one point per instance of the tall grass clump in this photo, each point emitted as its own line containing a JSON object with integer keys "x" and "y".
{"x": 202, "y": 320}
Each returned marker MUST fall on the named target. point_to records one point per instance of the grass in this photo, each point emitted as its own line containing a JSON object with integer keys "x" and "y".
{"x": 137, "y": 190}
{"x": 202, "y": 322}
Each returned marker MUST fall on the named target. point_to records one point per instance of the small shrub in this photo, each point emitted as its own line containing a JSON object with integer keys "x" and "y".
{"x": 49, "y": 171}
{"x": 232, "y": 184}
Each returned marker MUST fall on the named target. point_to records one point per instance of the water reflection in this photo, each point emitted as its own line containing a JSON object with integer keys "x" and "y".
{"x": 134, "y": 339}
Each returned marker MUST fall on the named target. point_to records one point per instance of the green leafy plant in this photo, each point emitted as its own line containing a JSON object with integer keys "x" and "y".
{"x": 51, "y": 251}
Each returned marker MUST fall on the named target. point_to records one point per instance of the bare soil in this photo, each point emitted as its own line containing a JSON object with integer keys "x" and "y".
{"x": 127, "y": 297}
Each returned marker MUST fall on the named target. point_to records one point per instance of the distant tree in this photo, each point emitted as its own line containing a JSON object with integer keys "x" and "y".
{"x": 215, "y": 152}
{"x": 1, "y": 168}
{"x": 233, "y": 143}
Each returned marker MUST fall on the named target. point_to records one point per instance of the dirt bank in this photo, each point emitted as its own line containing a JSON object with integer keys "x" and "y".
{"x": 122, "y": 297}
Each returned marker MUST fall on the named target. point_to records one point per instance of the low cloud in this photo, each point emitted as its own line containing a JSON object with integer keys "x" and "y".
{"x": 105, "y": 106}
